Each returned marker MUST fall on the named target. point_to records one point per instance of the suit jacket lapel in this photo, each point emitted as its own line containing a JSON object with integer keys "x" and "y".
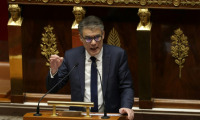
{"x": 106, "y": 67}
{"x": 81, "y": 69}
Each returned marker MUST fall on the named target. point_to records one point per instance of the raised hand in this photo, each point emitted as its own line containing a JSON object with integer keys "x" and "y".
{"x": 55, "y": 63}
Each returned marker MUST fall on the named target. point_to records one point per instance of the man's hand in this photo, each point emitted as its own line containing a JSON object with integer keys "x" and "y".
{"x": 127, "y": 111}
{"x": 55, "y": 63}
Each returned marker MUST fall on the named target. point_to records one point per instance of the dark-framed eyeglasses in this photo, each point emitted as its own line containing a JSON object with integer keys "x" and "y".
{"x": 89, "y": 39}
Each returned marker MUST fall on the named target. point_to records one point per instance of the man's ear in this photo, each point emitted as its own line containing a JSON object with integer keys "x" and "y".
{"x": 103, "y": 34}
{"x": 79, "y": 35}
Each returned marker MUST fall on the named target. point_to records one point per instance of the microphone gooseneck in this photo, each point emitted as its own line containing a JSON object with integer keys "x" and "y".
{"x": 38, "y": 108}
{"x": 105, "y": 112}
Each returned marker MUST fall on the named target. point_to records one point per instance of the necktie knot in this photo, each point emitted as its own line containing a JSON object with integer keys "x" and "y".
{"x": 93, "y": 59}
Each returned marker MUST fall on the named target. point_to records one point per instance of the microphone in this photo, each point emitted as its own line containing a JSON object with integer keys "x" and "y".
{"x": 38, "y": 108}
{"x": 105, "y": 112}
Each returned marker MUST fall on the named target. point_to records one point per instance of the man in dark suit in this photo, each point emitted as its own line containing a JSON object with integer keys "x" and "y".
{"x": 85, "y": 82}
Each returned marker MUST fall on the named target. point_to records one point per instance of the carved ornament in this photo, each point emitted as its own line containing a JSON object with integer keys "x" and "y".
{"x": 143, "y": 2}
{"x": 110, "y": 2}
{"x": 113, "y": 38}
{"x": 176, "y": 2}
{"x": 179, "y": 49}
{"x": 45, "y": 1}
{"x": 77, "y": 1}
{"x": 48, "y": 45}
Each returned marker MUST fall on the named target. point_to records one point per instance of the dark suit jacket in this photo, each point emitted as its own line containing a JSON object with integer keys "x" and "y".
{"x": 116, "y": 78}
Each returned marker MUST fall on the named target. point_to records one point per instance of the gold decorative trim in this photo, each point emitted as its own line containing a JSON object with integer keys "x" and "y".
{"x": 143, "y": 2}
{"x": 126, "y": 2}
{"x": 77, "y": 1}
{"x": 48, "y": 45}
{"x": 159, "y": 2}
{"x": 113, "y": 38}
{"x": 45, "y": 1}
{"x": 175, "y": 3}
{"x": 178, "y": 49}
{"x": 103, "y": 1}
{"x": 110, "y": 2}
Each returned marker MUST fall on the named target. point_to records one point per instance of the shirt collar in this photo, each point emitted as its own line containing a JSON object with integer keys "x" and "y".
{"x": 98, "y": 56}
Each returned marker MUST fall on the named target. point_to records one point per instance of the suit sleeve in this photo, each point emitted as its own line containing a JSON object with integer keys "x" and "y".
{"x": 125, "y": 83}
{"x": 62, "y": 71}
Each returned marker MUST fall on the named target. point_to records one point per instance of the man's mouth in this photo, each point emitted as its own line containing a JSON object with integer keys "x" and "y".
{"x": 93, "y": 49}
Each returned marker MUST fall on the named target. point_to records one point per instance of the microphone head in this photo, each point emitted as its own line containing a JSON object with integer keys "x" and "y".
{"x": 76, "y": 64}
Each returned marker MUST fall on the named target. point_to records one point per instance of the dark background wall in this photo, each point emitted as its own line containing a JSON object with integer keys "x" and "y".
{"x": 3, "y": 31}
{"x": 4, "y": 20}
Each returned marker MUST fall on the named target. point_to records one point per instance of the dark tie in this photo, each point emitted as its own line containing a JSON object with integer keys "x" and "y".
{"x": 93, "y": 86}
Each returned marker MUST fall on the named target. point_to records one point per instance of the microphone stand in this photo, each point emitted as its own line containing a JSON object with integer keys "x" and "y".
{"x": 38, "y": 108}
{"x": 105, "y": 112}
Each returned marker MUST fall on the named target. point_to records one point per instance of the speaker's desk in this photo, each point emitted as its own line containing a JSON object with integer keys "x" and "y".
{"x": 94, "y": 116}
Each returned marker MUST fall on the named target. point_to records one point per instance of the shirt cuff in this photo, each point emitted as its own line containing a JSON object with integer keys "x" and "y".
{"x": 52, "y": 76}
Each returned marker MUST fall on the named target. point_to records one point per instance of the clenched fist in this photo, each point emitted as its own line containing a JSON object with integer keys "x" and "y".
{"x": 55, "y": 63}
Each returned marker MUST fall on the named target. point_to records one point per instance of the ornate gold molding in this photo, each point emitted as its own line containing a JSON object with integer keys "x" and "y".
{"x": 48, "y": 45}
{"x": 159, "y": 2}
{"x": 175, "y": 3}
{"x": 113, "y": 38}
{"x": 45, "y": 1}
{"x": 143, "y": 2}
{"x": 110, "y": 2}
{"x": 178, "y": 49}
{"x": 77, "y": 1}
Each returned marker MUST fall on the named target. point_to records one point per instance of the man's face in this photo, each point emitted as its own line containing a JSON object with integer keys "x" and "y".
{"x": 14, "y": 14}
{"x": 144, "y": 19}
{"x": 78, "y": 16}
{"x": 93, "y": 48}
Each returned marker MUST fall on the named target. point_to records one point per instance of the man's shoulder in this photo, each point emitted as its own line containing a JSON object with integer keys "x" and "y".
{"x": 113, "y": 48}
{"x": 76, "y": 50}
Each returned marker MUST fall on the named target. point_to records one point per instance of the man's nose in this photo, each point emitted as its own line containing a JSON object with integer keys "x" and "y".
{"x": 93, "y": 42}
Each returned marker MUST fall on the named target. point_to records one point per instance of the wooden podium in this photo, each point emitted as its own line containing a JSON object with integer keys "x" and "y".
{"x": 95, "y": 116}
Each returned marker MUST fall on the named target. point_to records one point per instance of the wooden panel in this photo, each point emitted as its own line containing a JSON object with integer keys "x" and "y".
{"x": 176, "y": 103}
{"x": 166, "y": 82}
{"x": 35, "y": 19}
{"x": 75, "y": 39}
{"x": 32, "y": 97}
{"x": 4, "y": 51}
{"x": 15, "y": 59}
{"x": 5, "y": 88}
{"x": 5, "y": 71}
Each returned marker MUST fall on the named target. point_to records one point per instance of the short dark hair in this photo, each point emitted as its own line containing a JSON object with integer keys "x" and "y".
{"x": 90, "y": 22}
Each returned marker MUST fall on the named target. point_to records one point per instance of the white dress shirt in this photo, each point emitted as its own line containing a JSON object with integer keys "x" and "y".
{"x": 88, "y": 63}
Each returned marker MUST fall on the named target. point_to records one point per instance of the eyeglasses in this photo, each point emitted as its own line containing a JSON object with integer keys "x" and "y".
{"x": 89, "y": 39}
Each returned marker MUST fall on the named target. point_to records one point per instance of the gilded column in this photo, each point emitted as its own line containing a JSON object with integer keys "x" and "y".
{"x": 144, "y": 58}
{"x": 15, "y": 53}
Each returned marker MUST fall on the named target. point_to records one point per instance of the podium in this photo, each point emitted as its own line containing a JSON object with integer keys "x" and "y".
{"x": 94, "y": 116}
